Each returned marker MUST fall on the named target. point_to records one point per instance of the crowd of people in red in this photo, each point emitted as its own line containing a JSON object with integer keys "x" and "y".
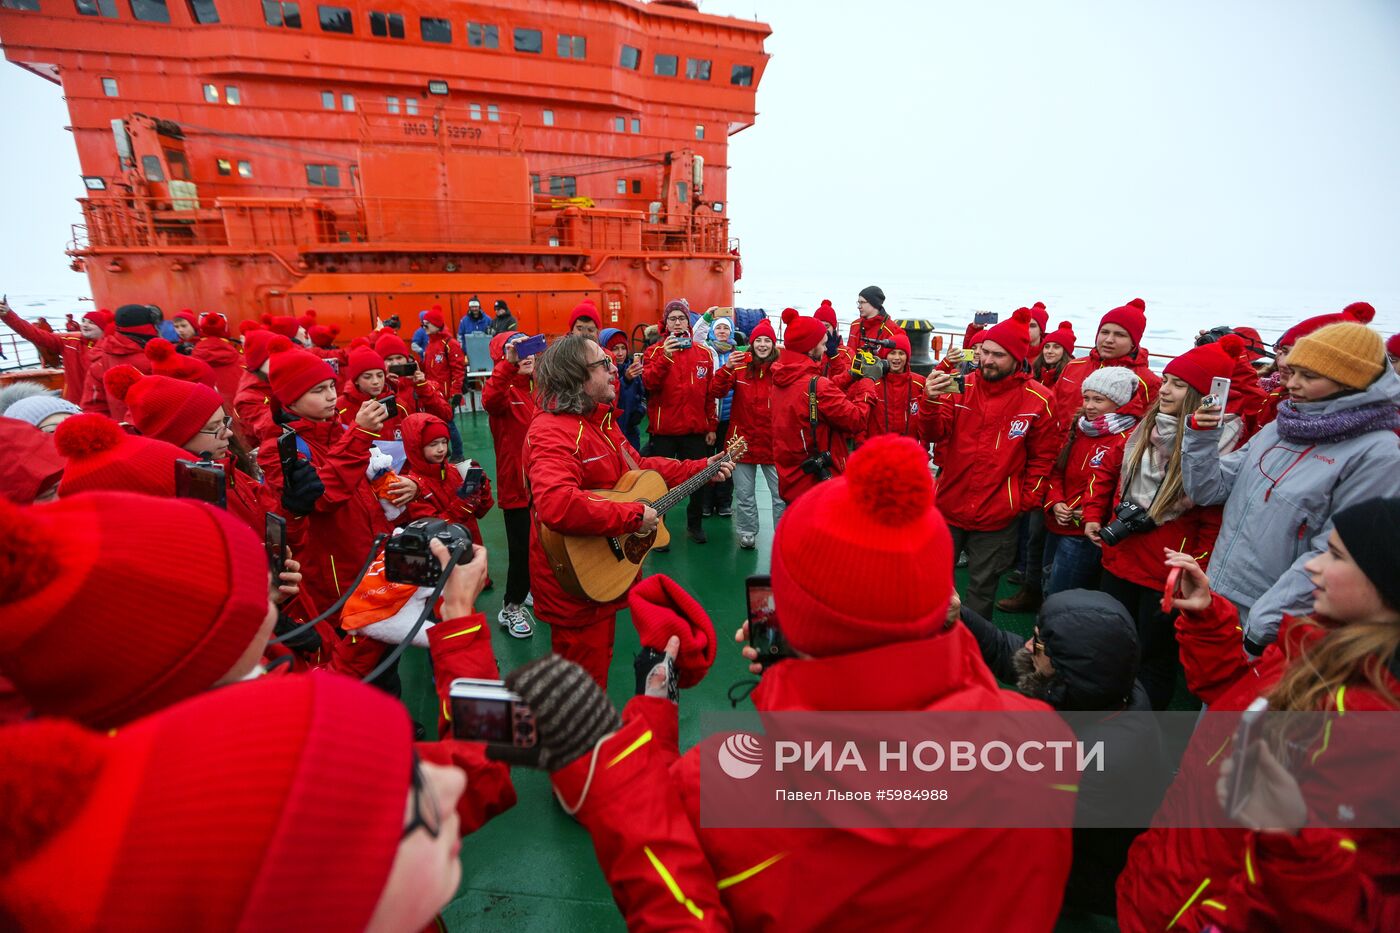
{"x": 139, "y": 795}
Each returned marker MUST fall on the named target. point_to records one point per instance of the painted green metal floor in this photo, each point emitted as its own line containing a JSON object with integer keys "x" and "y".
{"x": 533, "y": 868}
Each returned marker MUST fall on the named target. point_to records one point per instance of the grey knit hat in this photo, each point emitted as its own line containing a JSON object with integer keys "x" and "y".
{"x": 1115, "y": 382}
{"x": 38, "y": 407}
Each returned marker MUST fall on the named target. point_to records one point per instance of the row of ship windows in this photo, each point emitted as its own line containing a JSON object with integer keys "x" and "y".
{"x": 337, "y": 19}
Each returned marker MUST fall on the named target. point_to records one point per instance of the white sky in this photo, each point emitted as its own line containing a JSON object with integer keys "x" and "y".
{"x": 1211, "y": 142}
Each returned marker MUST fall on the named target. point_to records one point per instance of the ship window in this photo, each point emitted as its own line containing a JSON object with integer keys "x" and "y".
{"x": 335, "y": 19}
{"x": 682, "y": 192}
{"x": 665, "y": 65}
{"x": 483, "y": 36}
{"x": 347, "y": 101}
{"x": 622, "y": 186}
{"x": 535, "y": 184}
{"x": 410, "y": 105}
{"x": 476, "y": 111}
{"x": 203, "y": 11}
{"x": 147, "y": 11}
{"x": 435, "y": 30}
{"x": 573, "y": 46}
{"x": 323, "y": 176}
{"x": 563, "y": 186}
{"x": 328, "y": 100}
{"x": 391, "y": 104}
{"x": 493, "y": 113}
{"x": 742, "y": 75}
{"x": 636, "y": 186}
{"x": 30, "y": 5}
{"x": 107, "y": 8}
{"x": 225, "y": 167}
{"x": 109, "y": 87}
{"x": 245, "y": 168}
{"x": 548, "y": 116}
{"x": 232, "y": 95}
{"x": 636, "y": 125}
{"x": 151, "y": 166}
{"x": 179, "y": 165}
{"x": 697, "y": 69}
{"x": 699, "y": 131}
{"x": 282, "y": 13}
{"x": 529, "y": 40}
{"x": 619, "y": 124}
{"x": 386, "y": 24}
{"x": 211, "y": 93}
{"x": 631, "y": 57}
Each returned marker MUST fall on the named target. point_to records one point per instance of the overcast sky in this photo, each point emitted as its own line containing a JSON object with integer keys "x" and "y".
{"x": 1219, "y": 142}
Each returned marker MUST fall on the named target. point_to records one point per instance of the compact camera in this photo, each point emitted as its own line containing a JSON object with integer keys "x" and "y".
{"x": 486, "y": 711}
{"x": 1129, "y": 519}
{"x": 682, "y": 343}
{"x": 407, "y": 558}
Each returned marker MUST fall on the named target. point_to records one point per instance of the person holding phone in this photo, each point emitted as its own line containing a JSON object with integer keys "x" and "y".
{"x": 367, "y": 377}
{"x": 1331, "y": 445}
{"x": 1341, "y": 655}
{"x": 749, "y": 376}
{"x": 509, "y": 401}
{"x": 631, "y": 393}
{"x": 74, "y": 349}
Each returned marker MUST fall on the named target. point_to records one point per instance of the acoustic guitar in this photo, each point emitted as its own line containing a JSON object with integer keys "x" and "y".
{"x": 602, "y": 568}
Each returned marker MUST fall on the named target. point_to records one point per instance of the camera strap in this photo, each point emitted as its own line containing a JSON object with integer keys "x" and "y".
{"x": 336, "y": 606}
{"x": 428, "y": 609}
{"x": 812, "y": 413}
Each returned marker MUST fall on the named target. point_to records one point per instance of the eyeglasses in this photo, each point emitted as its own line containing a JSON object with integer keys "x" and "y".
{"x": 219, "y": 428}
{"x": 1037, "y": 646}
{"x": 606, "y": 361}
{"x": 861, "y": 301}
{"x": 430, "y": 821}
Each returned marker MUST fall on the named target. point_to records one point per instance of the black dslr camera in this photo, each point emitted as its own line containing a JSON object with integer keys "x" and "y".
{"x": 407, "y": 558}
{"x": 818, "y": 465}
{"x": 1213, "y": 335}
{"x": 1128, "y": 520}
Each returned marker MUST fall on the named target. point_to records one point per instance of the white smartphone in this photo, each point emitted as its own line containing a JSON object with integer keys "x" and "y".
{"x": 1219, "y": 393}
{"x": 1245, "y": 756}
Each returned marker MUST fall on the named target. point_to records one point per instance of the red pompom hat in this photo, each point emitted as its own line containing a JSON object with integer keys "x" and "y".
{"x": 1198, "y": 366}
{"x": 585, "y": 309}
{"x": 167, "y": 361}
{"x": 1062, "y": 335}
{"x": 166, "y": 409}
{"x": 434, "y": 317}
{"x": 661, "y": 608}
{"x": 322, "y": 336}
{"x": 92, "y": 635}
{"x": 391, "y": 344}
{"x": 257, "y": 344}
{"x": 763, "y": 328}
{"x": 293, "y": 372}
{"x": 1041, "y": 316}
{"x": 1013, "y": 335}
{"x": 308, "y": 320}
{"x": 213, "y": 325}
{"x": 1358, "y": 311}
{"x": 826, "y": 313}
{"x": 103, "y": 457}
{"x": 1130, "y": 317}
{"x": 101, "y": 317}
{"x": 207, "y": 815}
{"x": 363, "y": 360}
{"x": 801, "y": 334}
{"x": 1392, "y": 345}
{"x": 823, "y": 561}
{"x": 189, "y": 315}
{"x": 286, "y": 326}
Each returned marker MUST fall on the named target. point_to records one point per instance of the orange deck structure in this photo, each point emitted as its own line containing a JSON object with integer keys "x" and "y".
{"x": 374, "y": 158}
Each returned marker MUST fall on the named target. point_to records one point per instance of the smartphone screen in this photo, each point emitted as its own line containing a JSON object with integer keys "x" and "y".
{"x": 764, "y": 635}
{"x": 275, "y": 540}
{"x": 201, "y": 480}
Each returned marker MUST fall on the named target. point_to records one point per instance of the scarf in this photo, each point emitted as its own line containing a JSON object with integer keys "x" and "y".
{"x": 1104, "y": 425}
{"x": 1302, "y": 427}
{"x": 1141, "y": 486}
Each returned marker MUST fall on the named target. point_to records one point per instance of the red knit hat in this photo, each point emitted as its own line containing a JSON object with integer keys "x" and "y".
{"x": 101, "y": 317}
{"x": 1358, "y": 311}
{"x": 975, "y": 339}
{"x": 661, "y": 608}
{"x": 1062, "y": 335}
{"x": 585, "y": 309}
{"x": 363, "y": 360}
{"x": 763, "y": 328}
{"x": 901, "y": 342}
{"x": 1253, "y": 343}
{"x": 295, "y": 372}
{"x": 103, "y": 457}
{"x": 826, "y": 313}
{"x": 93, "y": 635}
{"x": 1130, "y": 317}
{"x": 166, "y": 409}
{"x": 823, "y": 562}
{"x": 1392, "y": 345}
{"x": 391, "y": 344}
{"x": 257, "y": 345}
{"x": 801, "y": 334}
{"x": 323, "y": 336}
{"x": 1013, "y": 335}
{"x": 1040, "y": 316}
{"x": 213, "y": 325}
{"x": 434, "y": 317}
{"x": 1198, "y": 366}
{"x": 308, "y": 320}
{"x": 286, "y": 326}
{"x": 188, "y": 315}
{"x": 206, "y": 815}
{"x": 167, "y": 361}
{"x": 31, "y": 464}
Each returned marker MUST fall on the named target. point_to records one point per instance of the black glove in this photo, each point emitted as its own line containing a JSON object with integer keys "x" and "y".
{"x": 308, "y": 641}
{"x": 571, "y": 711}
{"x": 301, "y": 487}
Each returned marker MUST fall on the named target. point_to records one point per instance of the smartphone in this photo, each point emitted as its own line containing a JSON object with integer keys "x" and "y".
{"x": 287, "y": 447}
{"x": 524, "y": 349}
{"x": 1245, "y": 756}
{"x": 404, "y": 369}
{"x": 391, "y": 406}
{"x": 1169, "y": 591}
{"x": 1219, "y": 393}
{"x": 471, "y": 481}
{"x": 202, "y": 480}
{"x": 764, "y": 635}
{"x": 275, "y": 541}
{"x": 636, "y": 357}
{"x": 485, "y": 711}
{"x": 985, "y": 318}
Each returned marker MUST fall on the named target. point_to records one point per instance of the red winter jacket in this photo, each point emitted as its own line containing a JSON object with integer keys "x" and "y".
{"x": 1069, "y": 396}
{"x": 896, "y": 406}
{"x": 438, "y": 483}
{"x": 678, "y": 390}
{"x": 255, "y": 410}
{"x": 839, "y": 415}
{"x": 1088, "y": 481}
{"x": 751, "y": 411}
{"x": 669, "y": 872}
{"x": 1181, "y": 876}
{"x": 227, "y": 362}
{"x": 997, "y": 444}
{"x": 72, "y": 348}
{"x": 565, "y": 457}
{"x": 444, "y": 364}
{"x": 509, "y": 401}
{"x": 424, "y": 397}
{"x": 879, "y": 327}
{"x": 115, "y": 349}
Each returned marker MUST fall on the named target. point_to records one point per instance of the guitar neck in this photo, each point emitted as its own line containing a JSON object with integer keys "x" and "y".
{"x": 684, "y": 490}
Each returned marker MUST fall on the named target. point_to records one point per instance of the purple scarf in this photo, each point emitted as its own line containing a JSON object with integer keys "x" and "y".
{"x": 1296, "y": 427}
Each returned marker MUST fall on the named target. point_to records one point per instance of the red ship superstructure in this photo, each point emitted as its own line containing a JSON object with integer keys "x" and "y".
{"x": 368, "y": 159}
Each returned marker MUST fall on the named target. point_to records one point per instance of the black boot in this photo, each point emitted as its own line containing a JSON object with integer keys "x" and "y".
{"x": 1027, "y": 600}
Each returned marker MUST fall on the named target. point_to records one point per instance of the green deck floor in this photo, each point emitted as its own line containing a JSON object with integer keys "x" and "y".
{"x": 532, "y": 868}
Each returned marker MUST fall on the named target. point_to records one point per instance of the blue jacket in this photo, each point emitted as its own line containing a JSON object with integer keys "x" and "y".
{"x": 468, "y": 325}
{"x": 420, "y": 340}
{"x": 631, "y": 396}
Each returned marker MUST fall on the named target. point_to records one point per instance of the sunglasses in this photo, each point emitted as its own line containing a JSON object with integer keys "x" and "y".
{"x": 428, "y": 819}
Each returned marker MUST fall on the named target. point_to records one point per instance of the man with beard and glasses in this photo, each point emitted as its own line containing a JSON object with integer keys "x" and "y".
{"x": 997, "y": 444}
{"x": 1082, "y": 658}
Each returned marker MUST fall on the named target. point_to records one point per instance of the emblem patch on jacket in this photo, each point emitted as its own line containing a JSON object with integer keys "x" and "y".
{"x": 1019, "y": 427}
{"x": 1097, "y": 458}
{"x": 700, "y": 371}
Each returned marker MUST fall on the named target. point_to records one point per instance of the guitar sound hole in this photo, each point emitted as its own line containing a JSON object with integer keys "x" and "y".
{"x": 636, "y": 548}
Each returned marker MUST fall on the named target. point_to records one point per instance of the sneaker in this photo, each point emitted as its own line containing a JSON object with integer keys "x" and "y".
{"x": 706, "y": 513}
{"x": 530, "y": 600}
{"x": 697, "y": 535}
{"x": 747, "y": 542}
{"x": 516, "y": 621}
{"x": 724, "y": 511}
{"x": 1016, "y": 578}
